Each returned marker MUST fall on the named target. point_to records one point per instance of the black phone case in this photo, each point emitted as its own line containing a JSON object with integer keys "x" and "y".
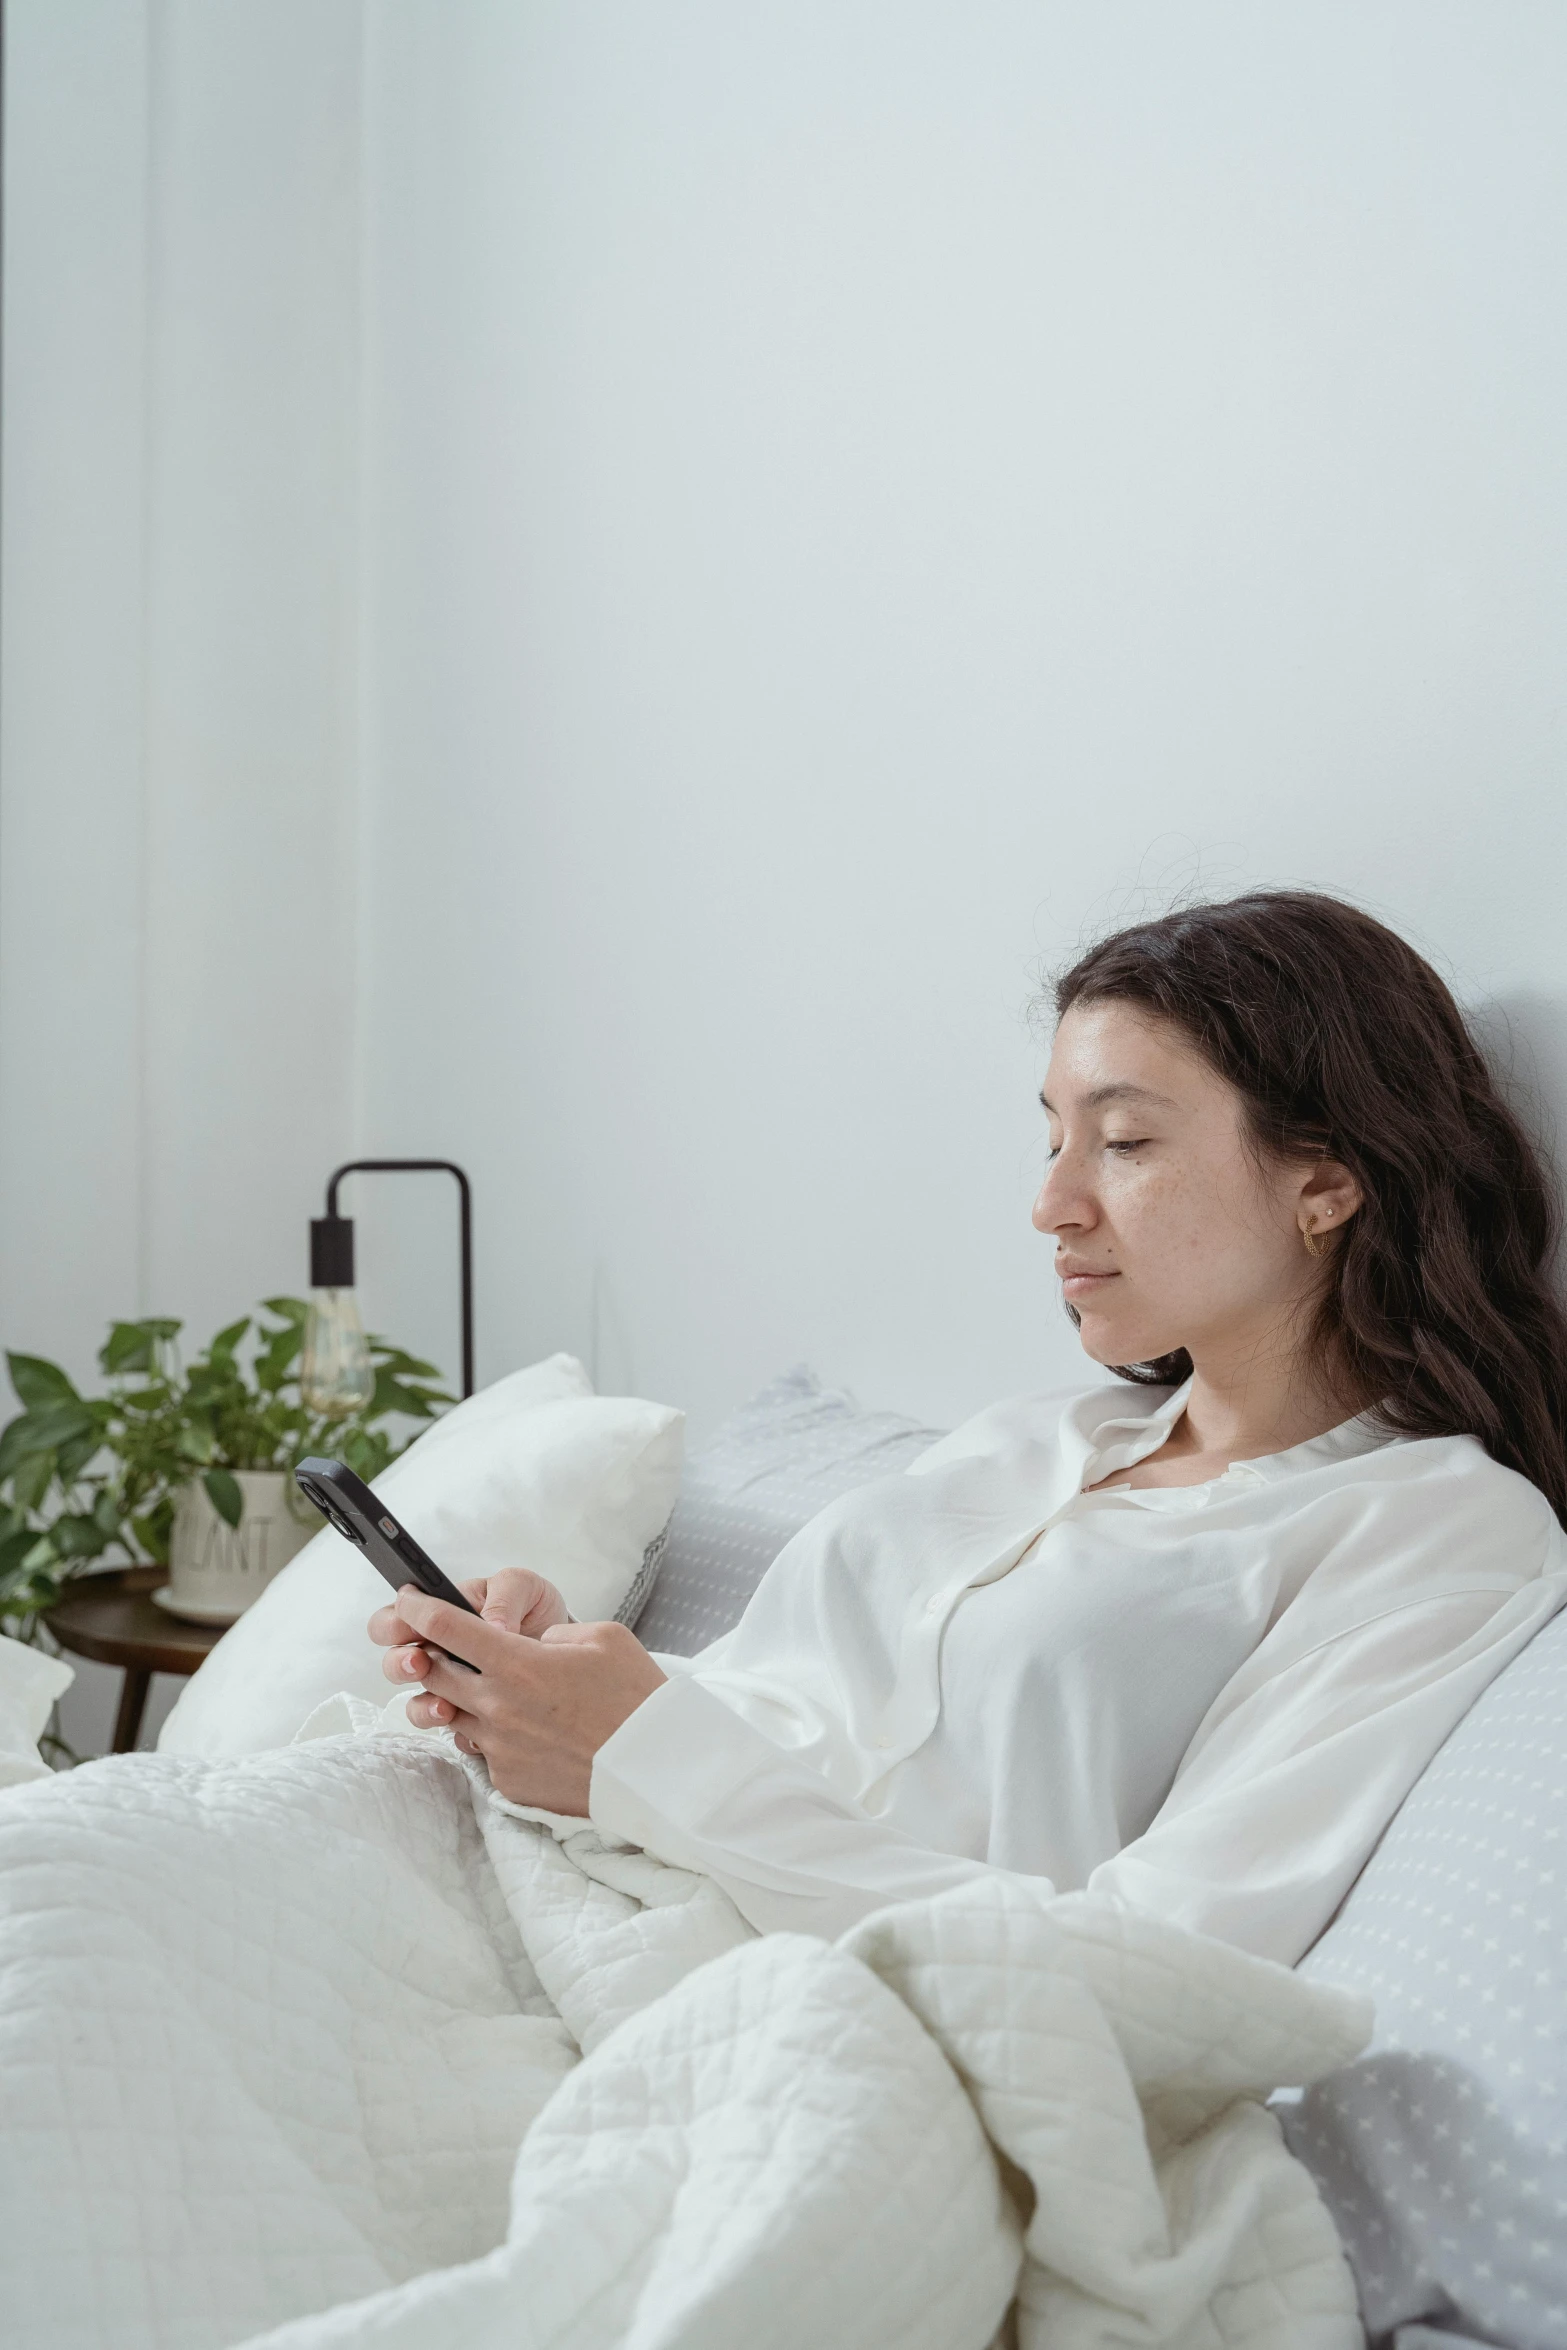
{"x": 348, "y": 1504}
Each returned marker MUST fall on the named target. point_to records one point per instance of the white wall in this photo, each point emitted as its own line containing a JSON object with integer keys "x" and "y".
{"x": 72, "y": 573}
{"x": 179, "y": 677}
{"x": 596, "y": 589}
{"x": 252, "y": 709}
{"x": 180, "y": 703}
{"x": 862, "y": 495}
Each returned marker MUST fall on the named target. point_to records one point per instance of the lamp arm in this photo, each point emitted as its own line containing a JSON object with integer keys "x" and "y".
{"x": 465, "y": 1227}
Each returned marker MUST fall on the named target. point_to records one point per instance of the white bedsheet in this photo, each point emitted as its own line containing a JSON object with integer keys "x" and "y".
{"x": 272, "y": 2034}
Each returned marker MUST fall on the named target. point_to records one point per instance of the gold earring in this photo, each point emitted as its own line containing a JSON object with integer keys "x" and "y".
{"x": 1316, "y": 1246}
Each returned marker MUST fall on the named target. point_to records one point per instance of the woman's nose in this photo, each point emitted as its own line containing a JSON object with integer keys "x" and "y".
{"x": 1059, "y": 1201}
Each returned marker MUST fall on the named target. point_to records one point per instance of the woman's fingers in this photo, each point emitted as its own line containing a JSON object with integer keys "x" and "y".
{"x": 435, "y": 1622}
{"x": 437, "y": 1713}
{"x": 387, "y": 1629}
{"x": 537, "y": 1711}
{"x": 467, "y": 1692}
{"x": 516, "y": 1600}
{"x": 410, "y": 1663}
{"x": 513, "y": 1601}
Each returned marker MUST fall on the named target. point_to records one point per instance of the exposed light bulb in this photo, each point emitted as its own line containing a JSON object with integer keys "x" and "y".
{"x": 336, "y": 1375}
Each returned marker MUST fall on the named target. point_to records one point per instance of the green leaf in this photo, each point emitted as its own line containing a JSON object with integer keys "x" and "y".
{"x": 431, "y": 1400}
{"x": 127, "y": 1348}
{"x": 32, "y": 1480}
{"x": 275, "y": 1360}
{"x": 76, "y": 1538}
{"x": 152, "y": 1531}
{"x": 16, "y": 1444}
{"x": 194, "y": 1442}
{"x": 44, "y": 1430}
{"x": 224, "y": 1495}
{"x": 41, "y": 1554}
{"x": 13, "y": 1549}
{"x": 23, "y": 1595}
{"x": 292, "y": 1309}
{"x": 133, "y": 1346}
{"x": 392, "y": 1396}
{"x": 54, "y": 1424}
{"x": 32, "y": 1588}
{"x": 75, "y": 1456}
{"x": 364, "y": 1450}
{"x": 222, "y": 1348}
{"x": 392, "y": 1358}
{"x": 107, "y": 1514}
{"x": 37, "y": 1382}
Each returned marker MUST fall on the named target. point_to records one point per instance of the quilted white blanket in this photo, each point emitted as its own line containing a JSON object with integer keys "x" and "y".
{"x": 327, "y": 2048}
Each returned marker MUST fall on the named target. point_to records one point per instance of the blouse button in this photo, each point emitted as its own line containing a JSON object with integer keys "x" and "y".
{"x": 935, "y": 1604}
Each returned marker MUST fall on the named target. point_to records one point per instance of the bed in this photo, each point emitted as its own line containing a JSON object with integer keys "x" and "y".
{"x": 971, "y": 2122}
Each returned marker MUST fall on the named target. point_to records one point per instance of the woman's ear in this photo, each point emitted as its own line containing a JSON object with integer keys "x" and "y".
{"x": 1329, "y": 1196}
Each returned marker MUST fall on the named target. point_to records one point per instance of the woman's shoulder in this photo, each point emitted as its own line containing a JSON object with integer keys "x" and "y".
{"x": 1446, "y": 1498}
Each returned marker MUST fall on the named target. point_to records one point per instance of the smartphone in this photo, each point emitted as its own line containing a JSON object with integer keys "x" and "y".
{"x": 347, "y": 1503}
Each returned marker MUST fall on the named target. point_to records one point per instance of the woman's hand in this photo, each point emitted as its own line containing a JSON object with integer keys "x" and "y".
{"x": 537, "y": 1710}
{"x": 515, "y": 1600}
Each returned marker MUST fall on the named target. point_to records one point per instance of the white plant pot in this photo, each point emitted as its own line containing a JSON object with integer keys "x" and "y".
{"x": 216, "y": 1570}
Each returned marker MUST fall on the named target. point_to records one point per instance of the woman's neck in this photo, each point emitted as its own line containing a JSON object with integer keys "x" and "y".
{"x": 1261, "y": 1400}
{"x": 1239, "y": 1410}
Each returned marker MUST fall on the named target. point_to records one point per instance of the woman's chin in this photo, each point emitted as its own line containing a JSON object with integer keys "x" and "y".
{"x": 1098, "y": 1344}
{"x": 1104, "y": 1341}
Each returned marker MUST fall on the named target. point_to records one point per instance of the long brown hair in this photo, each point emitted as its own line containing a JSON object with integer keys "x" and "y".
{"x": 1344, "y": 1043}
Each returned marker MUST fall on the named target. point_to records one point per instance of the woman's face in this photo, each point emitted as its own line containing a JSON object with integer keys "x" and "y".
{"x": 1170, "y": 1232}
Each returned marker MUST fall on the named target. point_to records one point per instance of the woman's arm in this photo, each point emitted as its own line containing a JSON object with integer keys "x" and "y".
{"x": 1300, "y": 1765}
{"x": 1276, "y": 1808}
{"x": 579, "y": 1719}
{"x": 1292, "y": 1779}
{"x": 689, "y": 1780}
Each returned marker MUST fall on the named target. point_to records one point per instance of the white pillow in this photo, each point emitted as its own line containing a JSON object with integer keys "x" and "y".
{"x": 537, "y": 1471}
{"x": 29, "y": 1684}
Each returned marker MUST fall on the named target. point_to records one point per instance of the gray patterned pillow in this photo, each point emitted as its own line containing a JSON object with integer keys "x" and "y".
{"x": 773, "y": 1464}
{"x": 1442, "y": 2151}
{"x": 647, "y": 1575}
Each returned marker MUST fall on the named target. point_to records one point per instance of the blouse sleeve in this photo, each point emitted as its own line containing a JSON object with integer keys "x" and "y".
{"x": 688, "y": 1780}
{"x": 1298, "y": 1769}
{"x": 1276, "y": 1807}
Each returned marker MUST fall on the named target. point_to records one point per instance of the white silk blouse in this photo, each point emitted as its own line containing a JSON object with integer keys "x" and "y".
{"x": 1205, "y": 1701}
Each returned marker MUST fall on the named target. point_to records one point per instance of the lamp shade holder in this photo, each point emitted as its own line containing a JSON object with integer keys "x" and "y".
{"x": 332, "y": 1238}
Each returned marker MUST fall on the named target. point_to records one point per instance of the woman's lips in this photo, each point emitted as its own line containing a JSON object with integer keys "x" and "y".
{"x": 1079, "y": 1286}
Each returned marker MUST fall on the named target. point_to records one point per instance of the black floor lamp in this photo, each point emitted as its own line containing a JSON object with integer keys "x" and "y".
{"x": 336, "y": 1376}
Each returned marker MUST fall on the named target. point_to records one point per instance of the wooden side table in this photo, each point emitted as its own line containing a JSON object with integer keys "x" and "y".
{"x": 111, "y": 1619}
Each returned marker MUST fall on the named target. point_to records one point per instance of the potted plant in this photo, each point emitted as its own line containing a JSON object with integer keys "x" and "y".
{"x": 189, "y": 1469}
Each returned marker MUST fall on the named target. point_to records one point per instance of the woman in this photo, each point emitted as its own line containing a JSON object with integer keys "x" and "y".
{"x": 1188, "y": 1641}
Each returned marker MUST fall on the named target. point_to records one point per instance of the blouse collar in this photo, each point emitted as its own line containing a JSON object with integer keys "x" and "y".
{"x": 1099, "y": 1443}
